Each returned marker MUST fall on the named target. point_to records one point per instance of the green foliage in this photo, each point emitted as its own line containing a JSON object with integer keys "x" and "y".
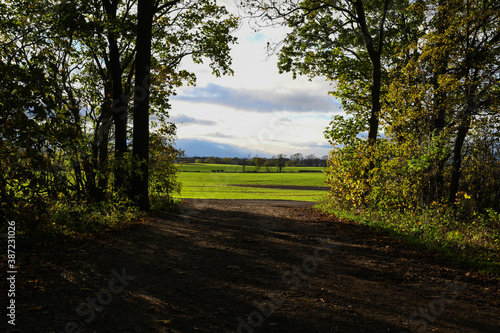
{"x": 439, "y": 117}
{"x": 435, "y": 174}
{"x": 279, "y": 161}
{"x": 68, "y": 76}
{"x": 76, "y": 217}
{"x": 345, "y": 173}
{"x": 345, "y": 130}
{"x": 163, "y": 182}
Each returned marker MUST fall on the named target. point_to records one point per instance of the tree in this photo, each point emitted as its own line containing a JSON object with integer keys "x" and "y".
{"x": 352, "y": 44}
{"x": 145, "y": 12}
{"x": 164, "y": 18}
{"x": 449, "y": 87}
{"x": 268, "y": 164}
{"x": 244, "y": 162}
{"x": 297, "y": 159}
{"x": 72, "y": 74}
{"x": 161, "y": 43}
{"x": 162, "y": 179}
{"x": 476, "y": 30}
{"x": 345, "y": 41}
{"x": 258, "y": 162}
{"x": 279, "y": 161}
{"x": 313, "y": 161}
{"x": 40, "y": 117}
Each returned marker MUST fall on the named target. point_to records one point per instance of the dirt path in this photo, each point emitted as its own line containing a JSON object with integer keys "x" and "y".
{"x": 248, "y": 266}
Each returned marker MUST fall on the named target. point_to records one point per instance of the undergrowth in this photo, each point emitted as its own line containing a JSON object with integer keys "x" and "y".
{"x": 475, "y": 242}
{"x": 66, "y": 217}
{"x": 71, "y": 217}
{"x": 87, "y": 217}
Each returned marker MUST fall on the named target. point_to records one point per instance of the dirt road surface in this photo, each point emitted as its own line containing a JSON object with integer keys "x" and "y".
{"x": 247, "y": 266}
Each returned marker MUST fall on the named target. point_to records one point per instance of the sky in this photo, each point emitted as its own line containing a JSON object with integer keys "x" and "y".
{"x": 255, "y": 112}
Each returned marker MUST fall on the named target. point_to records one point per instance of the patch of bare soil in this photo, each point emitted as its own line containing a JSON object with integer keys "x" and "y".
{"x": 248, "y": 266}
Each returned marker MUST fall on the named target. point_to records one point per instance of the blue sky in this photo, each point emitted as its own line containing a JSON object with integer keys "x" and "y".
{"x": 255, "y": 112}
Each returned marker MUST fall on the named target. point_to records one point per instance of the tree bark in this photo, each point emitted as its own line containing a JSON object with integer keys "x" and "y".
{"x": 119, "y": 101}
{"x": 456, "y": 172}
{"x": 140, "y": 147}
{"x": 375, "y": 55}
{"x": 376, "y": 107}
{"x": 439, "y": 105}
{"x": 119, "y": 109}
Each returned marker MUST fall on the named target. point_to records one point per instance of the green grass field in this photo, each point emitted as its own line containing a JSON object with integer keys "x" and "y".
{"x": 199, "y": 182}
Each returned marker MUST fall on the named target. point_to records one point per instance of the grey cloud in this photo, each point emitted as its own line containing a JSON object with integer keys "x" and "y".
{"x": 183, "y": 119}
{"x": 220, "y": 135}
{"x": 260, "y": 100}
{"x": 200, "y": 147}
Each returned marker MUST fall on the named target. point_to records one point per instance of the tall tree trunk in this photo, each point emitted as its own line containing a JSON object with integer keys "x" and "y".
{"x": 374, "y": 52}
{"x": 438, "y": 125}
{"x": 119, "y": 109}
{"x": 464, "y": 121}
{"x": 97, "y": 177}
{"x": 375, "y": 100}
{"x": 141, "y": 106}
{"x": 119, "y": 103}
{"x": 439, "y": 105}
{"x": 374, "y": 49}
{"x": 456, "y": 172}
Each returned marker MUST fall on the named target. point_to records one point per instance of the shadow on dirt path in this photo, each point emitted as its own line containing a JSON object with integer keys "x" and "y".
{"x": 248, "y": 266}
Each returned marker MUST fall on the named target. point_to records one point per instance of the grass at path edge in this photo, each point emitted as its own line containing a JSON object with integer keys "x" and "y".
{"x": 446, "y": 239}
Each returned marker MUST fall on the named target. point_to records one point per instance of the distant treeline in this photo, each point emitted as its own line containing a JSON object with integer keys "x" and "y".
{"x": 280, "y": 161}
